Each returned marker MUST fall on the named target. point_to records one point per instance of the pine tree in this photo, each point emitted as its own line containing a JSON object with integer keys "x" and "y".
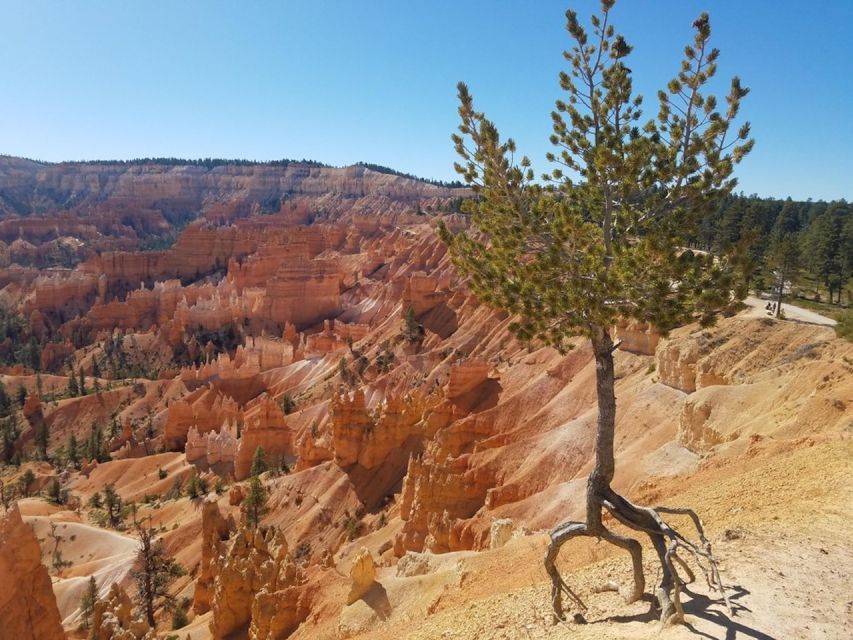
{"x": 154, "y": 571}
{"x": 192, "y": 487}
{"x": 5, "y": 401}
{"x": 259, "y": 462}
{"x": 821, "y": 248}
{"x": 73, "y": 389}
{"x": 54, "y": 491}
{"x": 9, "y": 436}
{"x": 73, "y": 451}
{"x": 784, "y": 250}
{"x": 412, "y": 329}
{"x": 82, "y": 384}
{"x": 87, "y": 603}
{"x": 25, "y": 483}
{"x": 114, "y": 506}
{"x": 604, "y": 239}
{"x": 42, "y": 439}
{"x": 255, "y": 502}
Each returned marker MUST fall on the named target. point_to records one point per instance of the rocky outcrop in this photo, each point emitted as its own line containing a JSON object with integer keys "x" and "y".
{"x": 436, "y": 497}
{"x": 303, "y": 292}
{"x": 205, "y": 409}
{"x": 264, "y": 427}
{"x": 215, "y": 530}
{"x": 465, "y": 376}
{"x": 258, "y": 586}
{"x": 423, "y": 292}
{"x": 500, "y": 533}
{"x": 214, "y": 447}
{"x": 362, "y": 574}
{"x": 676, "y": 364}
{"x": 114, "y": 618}
{"x": 637, "y": 337}
{"x": 367, "y": 438}
{"x": 28, "y": 608}
{"x": 221, "y": 191}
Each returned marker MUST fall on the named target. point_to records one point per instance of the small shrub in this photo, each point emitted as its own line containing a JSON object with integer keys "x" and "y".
{"x": 288, "y": 404}
{"x": 352, "y": 527}
{"x": 412, "y": 329}
{"x": 844, "y": 328}
{"x": 162, "y": 473}
{"x": 303, "y": 550}
{"x": 179, "y": 619}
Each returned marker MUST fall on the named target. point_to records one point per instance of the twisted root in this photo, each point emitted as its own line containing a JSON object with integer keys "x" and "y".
{"x": 666, "y": 540}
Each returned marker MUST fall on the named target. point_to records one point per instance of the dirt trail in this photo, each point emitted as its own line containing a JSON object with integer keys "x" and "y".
{"x": 758, "y": 310}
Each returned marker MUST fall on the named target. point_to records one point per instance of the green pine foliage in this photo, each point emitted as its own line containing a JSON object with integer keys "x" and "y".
{"x": 87, "y": 603}
{"x": 604, "y": 237}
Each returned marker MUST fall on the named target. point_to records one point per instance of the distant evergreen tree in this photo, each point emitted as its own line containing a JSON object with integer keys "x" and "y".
{"x": 10, "y": 433}
{"x": 87, "y": 603}
{"x": 73, "y": 451}
{"x": 822, "y": 250}
{"x": 784, "y": 250}
{"x": 254, "y": 504}
{"x": 259, "y": 462}
{"x": 155, "y": 570}
{"x": 73, "y": 388}
{"x": 42, "y": 440}
{"x": 113, "y": 505}
{"x": 54, "y": 491}
{"x": 21, "y": 395}
{"x": 5, "y": 401}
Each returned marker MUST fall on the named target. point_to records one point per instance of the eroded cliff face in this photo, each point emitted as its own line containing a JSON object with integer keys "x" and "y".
{"x": 27, "y": 606}
{"x": 58, "y": 213}
{"x": 396, "y": 412}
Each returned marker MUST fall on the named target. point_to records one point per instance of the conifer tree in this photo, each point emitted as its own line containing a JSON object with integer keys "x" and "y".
{"x": 784, "y": 250}
{"x": 73, "y": 451}
{"x": 255, "y": 502}
{"x": 154, "y": 571}
{"x": 42, "y": 439}
{"x": 5, "y": 401}
{"x": 114, "y": 506}
{"x": 259, "y": 462}
{"x": 87, "y": 603}
{"x": 604, "y": 239}
{"x": 73, "y": 389}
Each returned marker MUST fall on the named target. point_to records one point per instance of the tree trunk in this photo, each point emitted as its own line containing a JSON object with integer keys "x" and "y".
{"x": 780, "y": 292}
{"x": 599, "y": 496}
{"x": 605, "y": 466}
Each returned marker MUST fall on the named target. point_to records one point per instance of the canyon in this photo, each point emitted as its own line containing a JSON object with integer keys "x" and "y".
{"x": 415, "y": 452}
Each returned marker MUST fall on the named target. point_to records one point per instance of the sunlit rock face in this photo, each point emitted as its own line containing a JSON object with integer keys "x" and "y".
{"x": 28, "y": 609}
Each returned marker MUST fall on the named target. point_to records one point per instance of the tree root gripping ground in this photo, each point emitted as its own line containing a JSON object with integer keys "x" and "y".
{"x": 666, "y": 540}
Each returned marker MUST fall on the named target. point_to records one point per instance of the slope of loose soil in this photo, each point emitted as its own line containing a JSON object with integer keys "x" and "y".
{"x": 780, "y": 527}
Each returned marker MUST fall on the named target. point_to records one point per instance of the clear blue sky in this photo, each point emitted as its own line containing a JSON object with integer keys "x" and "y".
{"x": 375, "y": 80}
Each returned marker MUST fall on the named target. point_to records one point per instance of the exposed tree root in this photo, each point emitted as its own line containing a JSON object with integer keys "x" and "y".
{"x": 666, "y": 540}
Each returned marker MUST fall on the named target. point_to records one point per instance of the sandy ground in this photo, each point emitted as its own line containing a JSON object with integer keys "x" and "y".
{"x": 780, "y": 528}
{"x": 791, "y": 312}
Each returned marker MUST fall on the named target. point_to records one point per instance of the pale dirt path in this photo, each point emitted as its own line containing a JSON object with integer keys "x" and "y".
{"x": 757, "y": 310}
